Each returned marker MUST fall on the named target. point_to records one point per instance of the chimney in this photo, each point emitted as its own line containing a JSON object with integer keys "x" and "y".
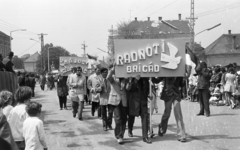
{"x": 135, "y": 18}
{"x": 148, "y": 18}
{"x": 179, "y": 16}
{"x": 229, "y": 31}
{"x": 159, "y": 18}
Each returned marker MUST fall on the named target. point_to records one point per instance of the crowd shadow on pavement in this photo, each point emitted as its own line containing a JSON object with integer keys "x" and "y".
{"x": 211, "y": 137}
{"x": 224, "y": 114}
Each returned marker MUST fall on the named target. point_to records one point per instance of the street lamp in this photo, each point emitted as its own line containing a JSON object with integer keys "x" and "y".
{"x": 48, "y": 59}
{"x": 11, "y": 36}
{"x": 34, "y": 40}
{"x": 208, "y": 29}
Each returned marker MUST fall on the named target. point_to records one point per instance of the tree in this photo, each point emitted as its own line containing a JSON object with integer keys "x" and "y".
{"x": 18, "y": 62}
{"x": 54, "y": 54}
{"x": 127, "y": 30}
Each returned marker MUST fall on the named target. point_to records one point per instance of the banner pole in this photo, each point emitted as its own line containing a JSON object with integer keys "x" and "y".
{"x": 150, "y": 113}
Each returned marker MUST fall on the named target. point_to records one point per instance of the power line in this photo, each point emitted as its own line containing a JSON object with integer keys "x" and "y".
{"x": 232, "y": 6}
{"x": 28, "y": 48}
{"x": 147, "y": 7}
{"x": 13, "y": 26}
{"x": 161, "y": 9}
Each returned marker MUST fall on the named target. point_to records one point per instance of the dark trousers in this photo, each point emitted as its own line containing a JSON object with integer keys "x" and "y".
{"x": 104, "y": 115}
{"x": 131, "y": 120}
{"x": 95, "y": 106}
{"x": 77, "y": 108}
{"x": 62, "y": 101}
{"x": 33, "y": 93}
{"x": 203, "y": 97}
{"x": 42, "y": 86}
{"x": 144, "y": 121}
{"x": 110, "y": 115}
{"x": 120, "y": 118}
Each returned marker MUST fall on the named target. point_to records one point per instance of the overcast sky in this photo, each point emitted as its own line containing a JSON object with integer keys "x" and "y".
{"x": 68, "y": 23}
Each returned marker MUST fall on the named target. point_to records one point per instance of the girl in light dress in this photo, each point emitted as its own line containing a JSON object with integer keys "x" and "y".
{"x": 229, "y": 88}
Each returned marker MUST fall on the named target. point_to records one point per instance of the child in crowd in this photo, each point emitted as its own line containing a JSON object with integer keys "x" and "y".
{"x": 216, "y": 95}
{"x": 33, "y": 131}
{"x": 6, "y": 139}
{"x": 18, "y": 115}
{"x": 6, "y": 99}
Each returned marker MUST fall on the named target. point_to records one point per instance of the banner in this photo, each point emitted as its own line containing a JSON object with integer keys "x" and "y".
{"x": 66, "y": 63}
{"x": 150, "y": 57}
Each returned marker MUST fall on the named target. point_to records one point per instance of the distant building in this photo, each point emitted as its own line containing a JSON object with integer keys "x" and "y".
{"x": 30, "y": 64}
{"x": 224, "y": 50}
{"x": 4, "y": 44}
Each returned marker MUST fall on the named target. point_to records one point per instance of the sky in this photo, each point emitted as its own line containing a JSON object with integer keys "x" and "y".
{"x": 68, "y": 23}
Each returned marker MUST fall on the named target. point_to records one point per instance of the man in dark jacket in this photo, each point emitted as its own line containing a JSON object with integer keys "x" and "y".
{"x": 2, "y": 66}
{"x": 203, "y": 88}
{"x": 138, "y": 92}
{"x": 171, "y": 96}
{"x": 8, "y": 62}
{"x": 32, "y": 83}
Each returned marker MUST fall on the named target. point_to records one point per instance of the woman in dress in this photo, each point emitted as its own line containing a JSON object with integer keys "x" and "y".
{"x": 229, "y": 87}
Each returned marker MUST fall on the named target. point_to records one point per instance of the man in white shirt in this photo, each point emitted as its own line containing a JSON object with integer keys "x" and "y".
{"x": 77, "y": 92}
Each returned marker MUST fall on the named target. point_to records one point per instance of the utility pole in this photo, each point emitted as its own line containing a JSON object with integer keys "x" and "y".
{"x": 84, "y": 49}
{"x": 42, "y": 51}
{"x": 192, "y": 24}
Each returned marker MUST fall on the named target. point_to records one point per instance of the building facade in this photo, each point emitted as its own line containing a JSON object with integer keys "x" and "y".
{"x": 30, "y": 64}
{"x": 4, "y": 44}
{"x": 224, "y": 50}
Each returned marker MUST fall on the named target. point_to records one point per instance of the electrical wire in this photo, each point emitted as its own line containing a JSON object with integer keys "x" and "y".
{"x": 28, "y": 48}
{"x": 147, "y": 7}
{"x": 161, "y": 9}
{"x": 232, "y": 6}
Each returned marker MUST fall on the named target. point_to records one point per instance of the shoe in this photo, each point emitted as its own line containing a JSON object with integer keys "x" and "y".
{"x": 147, "y": 140}
{"x": 182, "y": 139}
{"x": 104, "y": 128}
{"x": 80, "y": 119}
{"x": 160, "y": 132}
{"x": 92, "y": 113}
{"x": 110, "y": 127}
{"x": 60, "y": 108}
{"x": 120, "y": 141}
{"x": 65, "y": 108}
{"x": 200, "y": 114}
{"x": 130, "y": 134}
{"x": 207, "y": 115}
{"x": 74, "y": 115}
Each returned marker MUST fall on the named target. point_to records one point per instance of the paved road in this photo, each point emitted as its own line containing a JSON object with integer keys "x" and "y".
{"x": 220, "y": 131}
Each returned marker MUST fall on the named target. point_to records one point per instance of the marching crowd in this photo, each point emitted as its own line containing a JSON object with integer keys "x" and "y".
{"x": 113, "y": 98}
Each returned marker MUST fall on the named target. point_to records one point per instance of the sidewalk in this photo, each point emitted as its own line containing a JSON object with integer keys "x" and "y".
{"x": 220, "y": 131}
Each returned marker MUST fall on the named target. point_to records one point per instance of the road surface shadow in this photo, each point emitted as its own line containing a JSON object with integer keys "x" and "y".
{"x": 211, "y": 137}
{"x": 112, "y": 142}
{"x": 223, "y": 114}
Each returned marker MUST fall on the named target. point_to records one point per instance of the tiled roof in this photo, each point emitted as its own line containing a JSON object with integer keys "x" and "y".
{"x": 33, "y": 57}
{"x": 160, "y": 27}
{"x": 225, "y": 44}
{"x": 4, "y": 34}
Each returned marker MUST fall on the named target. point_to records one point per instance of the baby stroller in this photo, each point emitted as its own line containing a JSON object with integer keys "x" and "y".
{"x": 216, "y": 95}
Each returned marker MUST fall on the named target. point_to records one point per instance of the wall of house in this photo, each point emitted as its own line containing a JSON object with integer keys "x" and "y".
{"x": 223, "y": 59}
{"x": 4, "y": 45}
{"x": 30, "y": 66}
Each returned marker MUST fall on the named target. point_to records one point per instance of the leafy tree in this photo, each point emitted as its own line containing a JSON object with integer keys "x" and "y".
{"x": 126, "y": 30}
{"x": 18, "y": 62}
{"x": 54, "y": 53}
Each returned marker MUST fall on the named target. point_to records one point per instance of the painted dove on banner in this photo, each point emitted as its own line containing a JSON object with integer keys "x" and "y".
{"x": 172, "y": 60}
